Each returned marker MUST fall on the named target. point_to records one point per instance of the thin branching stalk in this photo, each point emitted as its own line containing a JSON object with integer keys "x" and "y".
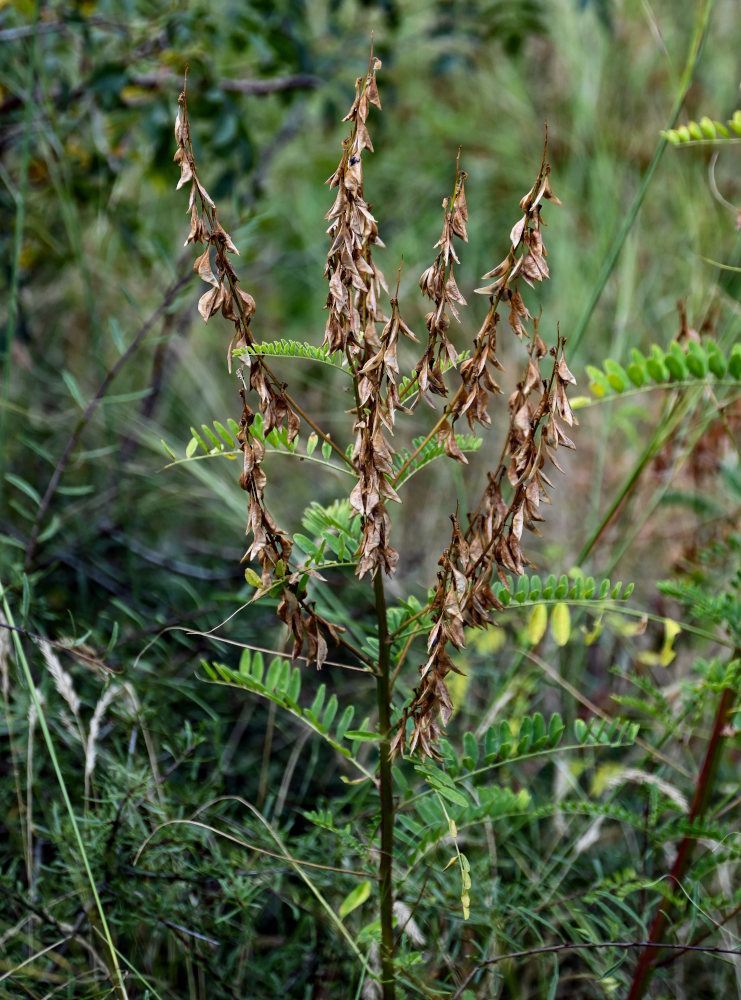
{"x": 550, "y": 949}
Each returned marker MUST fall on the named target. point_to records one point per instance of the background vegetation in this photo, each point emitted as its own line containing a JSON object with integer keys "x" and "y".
{"x": 127, "y": 567}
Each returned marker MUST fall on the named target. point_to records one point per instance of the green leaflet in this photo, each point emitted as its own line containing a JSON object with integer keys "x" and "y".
{"x": 706, "y": 130}
{"x": 355, "y": 898}
{"x": 699, "y": 362}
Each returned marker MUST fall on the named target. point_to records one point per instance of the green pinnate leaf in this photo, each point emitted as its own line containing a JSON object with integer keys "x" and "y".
{"x": 540, "y": 733}
{"x": 491, "y": 744}
{"x": 598, "y": 384}
{"x": 275, "y": 671}
{"x": 695, "y": 130}
{"x": 318, "y": 703}
{"x": 656, "y": 367}
{"x": 556, "y": 729}
{"x": 199, "y": 440}
{"x": 716, "y": 361}
{"x": 505, "y": 739}
{"x": 697, "y": 359}
{"x": 525, "y": 735}
{"x": 329, "y": 712}
{"x": 252, "y": 578}
{"x": 676, "y": 362}
{"x": 294, "y": 686}
{"x": 616, "y": 375}
{"x": 224, "y": 434}
{"x": 257, "y": 668}
{"x": 212, "y": 438}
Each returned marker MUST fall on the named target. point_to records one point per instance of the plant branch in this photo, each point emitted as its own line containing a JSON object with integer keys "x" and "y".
{"x": 703, "y": 790}
{"x": 587, "y": 946}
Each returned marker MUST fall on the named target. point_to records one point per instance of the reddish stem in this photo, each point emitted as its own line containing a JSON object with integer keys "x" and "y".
{"x": 703, "y": 789}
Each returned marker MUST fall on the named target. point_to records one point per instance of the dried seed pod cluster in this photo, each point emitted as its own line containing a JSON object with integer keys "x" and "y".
{"x": 438, "y": 284}
{"x": 355, "y": 282}
{"x": 491, "y": 542}
{"x": 355, "y": 285}
{"x": 269, "y": 545}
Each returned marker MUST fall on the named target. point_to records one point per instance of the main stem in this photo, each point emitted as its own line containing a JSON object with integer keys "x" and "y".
{"x": 385, "y": 867}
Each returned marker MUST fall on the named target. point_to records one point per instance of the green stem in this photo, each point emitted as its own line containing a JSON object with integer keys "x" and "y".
{"x": 703, "y": 790}
{"x": 385, "y": 867}
{"x": 693, "y": 59}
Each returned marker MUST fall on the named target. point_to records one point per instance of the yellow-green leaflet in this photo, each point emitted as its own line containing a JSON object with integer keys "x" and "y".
{"x": 355, "y": 898}
{"x": 537, "y": 625}
{"x": 561, "y": 623}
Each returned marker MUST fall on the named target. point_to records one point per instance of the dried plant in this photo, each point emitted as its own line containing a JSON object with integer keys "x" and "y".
{"x": 363, "y": 333}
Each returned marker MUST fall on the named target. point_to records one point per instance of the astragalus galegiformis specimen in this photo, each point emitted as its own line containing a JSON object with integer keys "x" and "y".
{"x": 364, "y": 326}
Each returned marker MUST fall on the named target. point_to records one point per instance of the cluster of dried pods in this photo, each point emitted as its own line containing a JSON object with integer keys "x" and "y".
{"x": 491, "y": 542}
{"x": 269, "y": 546}
{"x": 538, "y": 408}
{"x": 355, "y": 285}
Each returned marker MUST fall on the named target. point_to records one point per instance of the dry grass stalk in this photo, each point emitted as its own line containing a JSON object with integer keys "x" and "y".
{"x": 62, "y": 680}
{"x": 5, "y": 660}
{"x": 94, "y": 732}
